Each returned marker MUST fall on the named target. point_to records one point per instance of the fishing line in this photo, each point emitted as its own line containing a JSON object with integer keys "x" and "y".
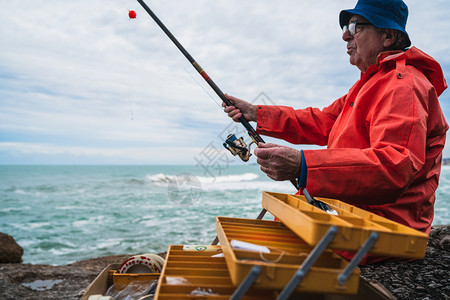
{"x": 132, "y": 17}
{"x": 131, "y": 13}
{"x": 221, "y": 107}
{"x": 124, "y": 5}
{"x": 132, "y": 115}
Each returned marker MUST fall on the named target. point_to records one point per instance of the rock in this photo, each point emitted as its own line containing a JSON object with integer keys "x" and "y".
{"x": 10, "y": 251}
{"x": 445, "y": 243}
{"x": 419, "y": 279}
{"x": 25, "y": 281}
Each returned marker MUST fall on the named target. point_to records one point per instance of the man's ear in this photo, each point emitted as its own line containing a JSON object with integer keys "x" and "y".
{"x": 389, "y": 38}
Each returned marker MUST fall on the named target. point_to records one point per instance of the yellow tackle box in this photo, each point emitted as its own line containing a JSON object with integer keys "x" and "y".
{"x": 125, "y": 279}
{"x": 287, "y": 253}
{"x": 198, "y": 275}
{"x": 354, "y": 226}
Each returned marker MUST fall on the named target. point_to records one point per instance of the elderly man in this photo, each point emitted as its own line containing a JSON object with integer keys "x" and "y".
{"x": 384, "y": 138}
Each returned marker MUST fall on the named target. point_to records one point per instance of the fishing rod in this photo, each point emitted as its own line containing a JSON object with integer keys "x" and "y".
{"x": 234, "y": 145}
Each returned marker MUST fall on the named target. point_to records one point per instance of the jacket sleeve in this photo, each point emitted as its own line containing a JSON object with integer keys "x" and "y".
{"x": 303, "y": 126}
{"x": 380, "y": 173}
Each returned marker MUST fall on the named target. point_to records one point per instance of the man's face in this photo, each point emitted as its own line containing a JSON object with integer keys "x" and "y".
{"x": 365, "y": 45}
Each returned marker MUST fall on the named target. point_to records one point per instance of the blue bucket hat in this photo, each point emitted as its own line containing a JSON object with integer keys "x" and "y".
{"x": 389, "y": 14}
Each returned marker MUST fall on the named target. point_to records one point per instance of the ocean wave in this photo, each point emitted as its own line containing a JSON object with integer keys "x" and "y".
{"x": 17, "y": 191}
{"x": 12, "y": 210}
{"x": 90, "y": 221}
{"x": 31, "y": 226}
{"x": 229, "y": 178}
{"x": 107, "y": 243}
{"x": 235, "y": 182}
{"x": 160, "y": 177}
{"x": 67, "y": 207}
{"x": 136, "y": 181}
{"x": 21, "y": 192}
{"x": 163, "y": 178}
{"x": 274, "y": 186}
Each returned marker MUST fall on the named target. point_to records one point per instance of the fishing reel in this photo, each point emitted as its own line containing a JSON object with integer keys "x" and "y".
{"x": 238, "y": 147}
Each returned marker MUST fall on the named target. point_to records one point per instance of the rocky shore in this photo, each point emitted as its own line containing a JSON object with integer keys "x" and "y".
{"x": 424, "y": 279}
{"x": 421, "y": 279}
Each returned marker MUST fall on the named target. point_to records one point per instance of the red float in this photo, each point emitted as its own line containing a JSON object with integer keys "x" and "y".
{"x": 132, "y": 14}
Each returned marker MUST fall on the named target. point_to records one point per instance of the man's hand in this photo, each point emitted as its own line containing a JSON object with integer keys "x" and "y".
{"x": 279, "y": 162}
{"x": 240, "y": 108}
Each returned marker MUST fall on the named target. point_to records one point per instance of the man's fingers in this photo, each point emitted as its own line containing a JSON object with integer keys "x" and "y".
{"x": 230, "y": 98}
{"x": 265, "y": 150}
{"x": 236, "y": 117}
{"x": 229, "y": 109}
{"x": 263, "y": 153}
{"x": 267, "y": 145}
{"x": 233, "y": 113}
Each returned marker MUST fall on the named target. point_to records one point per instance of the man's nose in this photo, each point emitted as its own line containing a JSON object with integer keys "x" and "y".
{"x": 346, "y": 36}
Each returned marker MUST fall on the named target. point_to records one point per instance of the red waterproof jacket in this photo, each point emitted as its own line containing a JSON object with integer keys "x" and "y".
{"x": 384, "y": 139}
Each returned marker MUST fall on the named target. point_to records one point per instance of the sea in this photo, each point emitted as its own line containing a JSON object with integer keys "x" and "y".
{"x": 63, "y": 214}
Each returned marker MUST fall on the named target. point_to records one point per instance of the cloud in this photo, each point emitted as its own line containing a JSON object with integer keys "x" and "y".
{"x": 80, "y": 77}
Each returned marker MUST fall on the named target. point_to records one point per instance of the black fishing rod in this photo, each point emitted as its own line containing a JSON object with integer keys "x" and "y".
{"x": 251, "y": 131}
{"x": 234, "y": 145}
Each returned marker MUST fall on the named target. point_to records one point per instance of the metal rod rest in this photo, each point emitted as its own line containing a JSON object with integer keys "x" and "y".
{"x": 308, "y": 263}
{"x": 368, "y": 244}
{"x": 246, "y": 283}
{"x": 262, "y": 214}
{"x": 216, "y": 241}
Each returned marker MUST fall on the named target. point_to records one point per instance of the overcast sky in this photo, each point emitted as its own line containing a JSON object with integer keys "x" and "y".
{"x": 81, "y": 83}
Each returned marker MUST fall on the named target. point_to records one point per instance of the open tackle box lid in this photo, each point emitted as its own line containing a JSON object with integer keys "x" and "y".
{"x": 354, "y": 226}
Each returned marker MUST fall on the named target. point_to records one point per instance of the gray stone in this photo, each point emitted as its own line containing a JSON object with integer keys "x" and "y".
{"x": 445, "y": 243}
{"x": 418, "y": 279}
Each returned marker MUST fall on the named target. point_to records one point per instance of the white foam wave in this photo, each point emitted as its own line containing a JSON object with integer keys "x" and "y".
{"x": 90, "y": 221}
{"x": 246, "y": 181}
{"x": 160, "y": 177}
{"x": 38, "y": 225}
{"x": 163, "y": 178}
{"x": 21, "y": 192}
{"x": 274, "y": 186}
{"x": 15, "y": 209}
{"x": 229, "y": 178}
{"x": 109, "y": 243}
{"x": 67, "y": 207}
{"x": 59, "y": 252}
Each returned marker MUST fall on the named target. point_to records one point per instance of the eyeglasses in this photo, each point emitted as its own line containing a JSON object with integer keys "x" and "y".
{"x": 352, "y": 27}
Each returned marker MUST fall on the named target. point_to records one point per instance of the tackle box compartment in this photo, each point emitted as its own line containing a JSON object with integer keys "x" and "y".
{"x": 198, "y": 275}
{"x": 109, "y": 277}
{"x": 354, "y": 226}
{"x": 287, "y": 253}
{"x": 125, "y": 279}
